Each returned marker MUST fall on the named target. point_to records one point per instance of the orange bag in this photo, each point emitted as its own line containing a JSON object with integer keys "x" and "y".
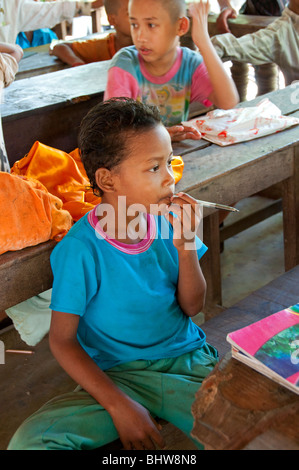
{"x": 29, "y": 213}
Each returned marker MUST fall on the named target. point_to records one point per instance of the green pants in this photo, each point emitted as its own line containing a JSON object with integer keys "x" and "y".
{"x": 76, "y": 421}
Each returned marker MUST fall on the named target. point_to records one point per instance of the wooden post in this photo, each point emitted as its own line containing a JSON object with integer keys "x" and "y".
{"x": 291, "y": 214}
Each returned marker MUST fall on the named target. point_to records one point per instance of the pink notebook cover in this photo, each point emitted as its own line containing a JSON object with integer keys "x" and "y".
{"x": 253, "y": 337}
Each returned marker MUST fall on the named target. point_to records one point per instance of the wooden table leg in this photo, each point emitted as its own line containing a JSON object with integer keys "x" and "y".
{"x": 291, "y": 215}
{"x": 211, "y": 265}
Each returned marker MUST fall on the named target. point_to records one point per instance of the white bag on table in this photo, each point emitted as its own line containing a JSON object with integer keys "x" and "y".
{"x": 227, "y": 127}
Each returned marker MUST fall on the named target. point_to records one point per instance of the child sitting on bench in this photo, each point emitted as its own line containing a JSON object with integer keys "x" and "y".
{"x": 127, "y": 281}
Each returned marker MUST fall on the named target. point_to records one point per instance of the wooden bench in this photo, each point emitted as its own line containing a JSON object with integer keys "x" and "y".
{"x": 25, "y": 273}
{"x": 237, "y": 407}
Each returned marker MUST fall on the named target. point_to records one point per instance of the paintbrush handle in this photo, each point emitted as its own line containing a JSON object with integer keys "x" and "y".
{"x": 217, "y": 206}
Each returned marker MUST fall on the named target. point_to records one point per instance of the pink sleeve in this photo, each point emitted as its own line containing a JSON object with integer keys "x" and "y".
{"x": 201, "y": 86}
{"x": 120, "y": 83}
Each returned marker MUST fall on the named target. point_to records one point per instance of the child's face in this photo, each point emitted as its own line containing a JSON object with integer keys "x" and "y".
{"x": 121, "y": 19}
{"x": 146, "y": 176}
{"x": 154, "y": 34}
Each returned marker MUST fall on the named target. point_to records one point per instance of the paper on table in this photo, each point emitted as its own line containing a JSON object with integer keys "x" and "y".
{"x": 227, "y": 127}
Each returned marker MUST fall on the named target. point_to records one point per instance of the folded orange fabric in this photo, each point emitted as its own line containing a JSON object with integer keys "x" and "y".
{"x": 29, "y": 213}
{"x": 64, "y": 176}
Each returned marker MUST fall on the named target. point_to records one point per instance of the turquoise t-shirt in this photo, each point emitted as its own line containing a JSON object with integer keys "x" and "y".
{"x": 124, "y": 294}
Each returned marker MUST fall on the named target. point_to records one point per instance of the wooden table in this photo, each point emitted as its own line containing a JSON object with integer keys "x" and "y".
{"x": 38, "y": 61}
{"x": 50, "y": 107}
{"x": 228, "y": 174}
{"x": 237, "y": 407}
{"x": 212, "y": 173}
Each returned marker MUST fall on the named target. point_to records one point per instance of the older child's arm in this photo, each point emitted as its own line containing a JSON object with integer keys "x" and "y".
{"x": 135, "y": 426}
{"x": 64, "y": 52}
{"x": 191, "y": 287}
{"x": 224, "y": 95}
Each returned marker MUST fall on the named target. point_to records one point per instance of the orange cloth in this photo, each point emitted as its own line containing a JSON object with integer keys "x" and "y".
{"x": 29, "y": 213}
{"x": 95, "y": 50}
{"x": 64, "y": 176}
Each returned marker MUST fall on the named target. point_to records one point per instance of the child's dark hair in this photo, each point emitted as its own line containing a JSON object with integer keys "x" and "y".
{"x": 105, "y": 132}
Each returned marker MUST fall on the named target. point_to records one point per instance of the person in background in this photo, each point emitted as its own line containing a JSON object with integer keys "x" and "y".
{"x": 278, "y": 43}
{"x": 93, "y": 50}
{"x": 156, "y": 70}
{"x": 35, "y": 38}
{"x": 266, "y": 75}
{"x": 10, "y": 56}
{"x": 28, "y": 15}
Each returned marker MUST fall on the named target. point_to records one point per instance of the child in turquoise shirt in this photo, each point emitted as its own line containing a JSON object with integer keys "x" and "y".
{"x": 127, "y": 281}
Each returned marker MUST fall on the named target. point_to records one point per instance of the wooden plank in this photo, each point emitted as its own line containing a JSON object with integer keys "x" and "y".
{"x": 49, "y": 108}
{"x": 57, "y": 128}
{"x": 25, "y": 273}
{"x": 39, "y": 63}
{"x": 224, "y": 176}
{"x": 53, "y": 90}
{"x": 290, "y": 214}
{"x": 211, "y": 264}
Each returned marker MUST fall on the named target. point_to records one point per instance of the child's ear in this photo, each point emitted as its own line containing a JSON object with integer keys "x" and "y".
{"x": 104, "y": 179}
{"x": 111, "y": 20}
{"x": 183, "y": 25}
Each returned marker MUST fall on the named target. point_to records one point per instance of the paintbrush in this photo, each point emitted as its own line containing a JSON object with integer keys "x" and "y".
{"x": 217, "y": 206}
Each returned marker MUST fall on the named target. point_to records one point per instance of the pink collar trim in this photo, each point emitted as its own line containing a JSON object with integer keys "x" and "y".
{"x": 133, "y": 249}
{"x": 164, "y": 78}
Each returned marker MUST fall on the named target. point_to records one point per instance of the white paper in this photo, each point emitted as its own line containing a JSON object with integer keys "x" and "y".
{"x": 227, "y": 127}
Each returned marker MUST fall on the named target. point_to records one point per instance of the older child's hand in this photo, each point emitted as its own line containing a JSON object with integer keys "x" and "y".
{"x": 222, "y": 23}
{"x": 185, "y": 219}
{"x": 199, "y": 12}
{"x": 182, "y": 132}
{"x": 136, "y": 427}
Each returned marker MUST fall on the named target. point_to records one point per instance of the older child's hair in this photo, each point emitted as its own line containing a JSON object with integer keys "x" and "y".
{"x": 175, "y": 8}
{"x": 106, "y": 131}
{"x": 112, "y": 6}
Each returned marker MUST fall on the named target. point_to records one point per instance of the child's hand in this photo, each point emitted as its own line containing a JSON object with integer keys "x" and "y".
{"x": 136, "y": 428}
{"x": 179, "y": 133}
{"x": 199, "y": 12}
{"x": 187, "y": 220}
{"x": 221, "y": 22}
